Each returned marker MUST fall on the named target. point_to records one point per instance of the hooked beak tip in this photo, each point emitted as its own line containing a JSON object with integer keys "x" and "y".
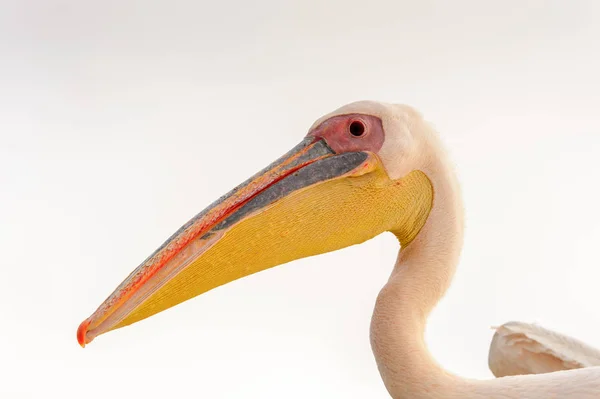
{"x": 81, "y": 332}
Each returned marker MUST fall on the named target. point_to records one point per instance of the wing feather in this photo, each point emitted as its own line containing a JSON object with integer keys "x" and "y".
{"x": 522, "y": 348}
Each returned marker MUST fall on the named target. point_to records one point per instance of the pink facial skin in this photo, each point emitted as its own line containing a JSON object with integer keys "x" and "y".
{"x": 352, "y": 132}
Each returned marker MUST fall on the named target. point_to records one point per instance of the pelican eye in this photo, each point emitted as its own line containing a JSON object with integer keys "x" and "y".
{"x": 357, "y": 128}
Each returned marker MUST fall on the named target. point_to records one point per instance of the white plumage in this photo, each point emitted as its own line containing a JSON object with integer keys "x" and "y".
{"x": 522, "y": 348}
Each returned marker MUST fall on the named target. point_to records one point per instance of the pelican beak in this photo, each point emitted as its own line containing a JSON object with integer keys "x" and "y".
{"x": 206, "y": 253}
{"x": 308, "y": 202}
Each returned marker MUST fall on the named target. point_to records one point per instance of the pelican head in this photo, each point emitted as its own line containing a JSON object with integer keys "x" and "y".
{"x": 360, "y": 171}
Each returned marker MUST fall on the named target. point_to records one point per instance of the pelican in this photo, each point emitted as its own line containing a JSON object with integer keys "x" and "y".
{"x": 364, "y": 169}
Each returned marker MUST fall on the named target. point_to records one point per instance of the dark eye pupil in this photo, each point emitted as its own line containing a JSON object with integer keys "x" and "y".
{"x": 357, "y": 128}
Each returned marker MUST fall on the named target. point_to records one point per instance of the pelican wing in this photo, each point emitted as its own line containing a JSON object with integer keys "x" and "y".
{"x": 521, "y": 348}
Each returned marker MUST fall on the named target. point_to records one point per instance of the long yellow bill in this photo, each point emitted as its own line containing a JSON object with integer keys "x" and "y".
{"x": 308, "y": 202}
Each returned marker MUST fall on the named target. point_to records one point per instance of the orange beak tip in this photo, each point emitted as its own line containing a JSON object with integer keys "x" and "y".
{"x": 81, "y": 333}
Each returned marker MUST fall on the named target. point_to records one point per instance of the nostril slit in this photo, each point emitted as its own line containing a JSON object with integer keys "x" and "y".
{"x": 357, "y": 128}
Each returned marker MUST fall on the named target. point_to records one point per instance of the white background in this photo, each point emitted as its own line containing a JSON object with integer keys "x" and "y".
{"x": 119, "y": 120}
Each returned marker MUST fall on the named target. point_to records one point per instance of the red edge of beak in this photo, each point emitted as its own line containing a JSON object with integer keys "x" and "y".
{"x": 82, "y": 331}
